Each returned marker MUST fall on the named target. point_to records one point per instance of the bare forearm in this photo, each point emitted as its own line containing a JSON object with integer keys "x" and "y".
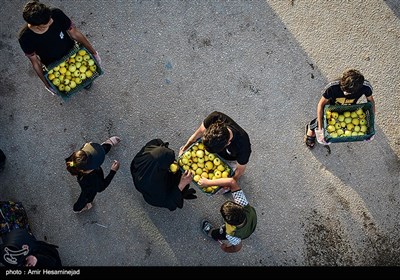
{"x": 320, "y": 112}
{"x": 79, "y": 37}
{"x": 39, "y": 71}
{"x": 239, "y": 171}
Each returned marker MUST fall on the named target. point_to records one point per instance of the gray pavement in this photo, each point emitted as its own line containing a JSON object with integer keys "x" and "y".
{"x": 167, "y": 65}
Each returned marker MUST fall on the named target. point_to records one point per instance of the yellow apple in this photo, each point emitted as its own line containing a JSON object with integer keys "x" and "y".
{"x": 51, "y": 76}
{"x": 194, "y": 166}
{"x": 78, "y": 58}
{"x": 56, "y": 81}
{"x": 93, "y": 68}
{"x": 350, "y": 126}
{"x": 82, "y": 76}
{"x": 217, "y": 161}
{"x": 348, "y": 120}
{"x": 330, "y": 128}
{"x": 359, "y": 111}
{"x": 83, "y": 69}
{"x": 334, "y": 135}
{"x": 364, "y": 128}
{"x": 200, "y": 153}
{"x": 89, "y": 73}
{"x": 217, "y": 174}
{"x": 61, "y": 87}
{"x": 221, "y": 167}
{"x": 173, "y": 167}
{"x": 209, "y": 165}
{"x": 71, "y": 68}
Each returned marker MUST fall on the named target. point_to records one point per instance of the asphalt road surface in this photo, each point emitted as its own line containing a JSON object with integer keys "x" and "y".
{"x": 167, "y": 65}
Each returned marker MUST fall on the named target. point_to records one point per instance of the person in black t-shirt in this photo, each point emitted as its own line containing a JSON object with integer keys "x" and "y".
{"x": 222, "y": 135}
{"x": 344, "y": 91}
{"x": 48, "y": 36}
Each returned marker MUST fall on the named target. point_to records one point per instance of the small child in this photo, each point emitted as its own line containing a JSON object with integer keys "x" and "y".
{"x": 240, "y": 218}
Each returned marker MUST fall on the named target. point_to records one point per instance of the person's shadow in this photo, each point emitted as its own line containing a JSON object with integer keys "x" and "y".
{"x": 362, "y": 178}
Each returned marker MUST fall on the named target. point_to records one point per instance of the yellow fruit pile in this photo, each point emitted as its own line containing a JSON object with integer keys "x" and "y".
{"x": 348, "y": 123}
{"x": 73, "y": 71}
{"x": 203, "y": 164}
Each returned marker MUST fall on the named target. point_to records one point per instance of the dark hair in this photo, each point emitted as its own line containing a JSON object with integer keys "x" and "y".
{"x": 74, "y": 161}
{"x": 216, "y": 137}
{"x": 233, "y": 213}
{"x": 36, "y": 13}
{"x": 351, "y": 81}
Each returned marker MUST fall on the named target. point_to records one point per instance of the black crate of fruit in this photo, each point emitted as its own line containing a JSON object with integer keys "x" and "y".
{"x": 369, "y": 118}
{"x": 227, "y": 167}
{"x": 96, "y": 72}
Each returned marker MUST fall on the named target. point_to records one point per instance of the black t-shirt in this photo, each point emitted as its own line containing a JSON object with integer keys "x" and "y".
{"x": 240, "y": 148}
{"x": 335, "y": 94}
{"x": 51, "y": 45}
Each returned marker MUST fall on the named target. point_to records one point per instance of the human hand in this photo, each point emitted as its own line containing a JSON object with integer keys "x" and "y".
{"x": 319, "y": 133}
{"x": 204, "y": 182}
{"x": 370, "y": 139}
{"x": 186, "y": 177}
{"x": 97, "y": 57}
{"x": 30, "y": 260}
{"x": 115, "y": 166}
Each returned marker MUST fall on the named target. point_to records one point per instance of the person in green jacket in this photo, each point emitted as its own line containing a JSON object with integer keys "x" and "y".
{"x": 240, "y": 218}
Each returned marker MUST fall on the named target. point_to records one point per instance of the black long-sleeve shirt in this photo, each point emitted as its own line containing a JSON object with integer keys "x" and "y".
{"x": 91, "y": 184}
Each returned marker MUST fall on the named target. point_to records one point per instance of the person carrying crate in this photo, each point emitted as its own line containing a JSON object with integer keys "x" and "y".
{"x": 223, "y": 136}
{"x": 346, "y": 90}
{"x": 48, "y": 36}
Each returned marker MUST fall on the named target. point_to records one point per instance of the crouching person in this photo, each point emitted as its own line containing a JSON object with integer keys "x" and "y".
{"x": 240, "y": 218}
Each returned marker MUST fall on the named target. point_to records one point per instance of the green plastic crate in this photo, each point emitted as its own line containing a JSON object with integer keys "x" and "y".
{"x": 87, "y": 81}
{"x": 367, "y": 108}
{"x": 231, "y": 173}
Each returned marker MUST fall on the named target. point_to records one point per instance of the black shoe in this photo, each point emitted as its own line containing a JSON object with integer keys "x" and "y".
{"x": 88, "y": 86}
{"x": 206, "y": 227}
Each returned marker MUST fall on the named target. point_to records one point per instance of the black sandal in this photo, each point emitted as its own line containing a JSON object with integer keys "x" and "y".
{"x": 309, "y": 140}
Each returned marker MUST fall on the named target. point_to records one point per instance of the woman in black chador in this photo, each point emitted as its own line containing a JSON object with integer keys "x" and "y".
{"x": 151, "y": 174}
